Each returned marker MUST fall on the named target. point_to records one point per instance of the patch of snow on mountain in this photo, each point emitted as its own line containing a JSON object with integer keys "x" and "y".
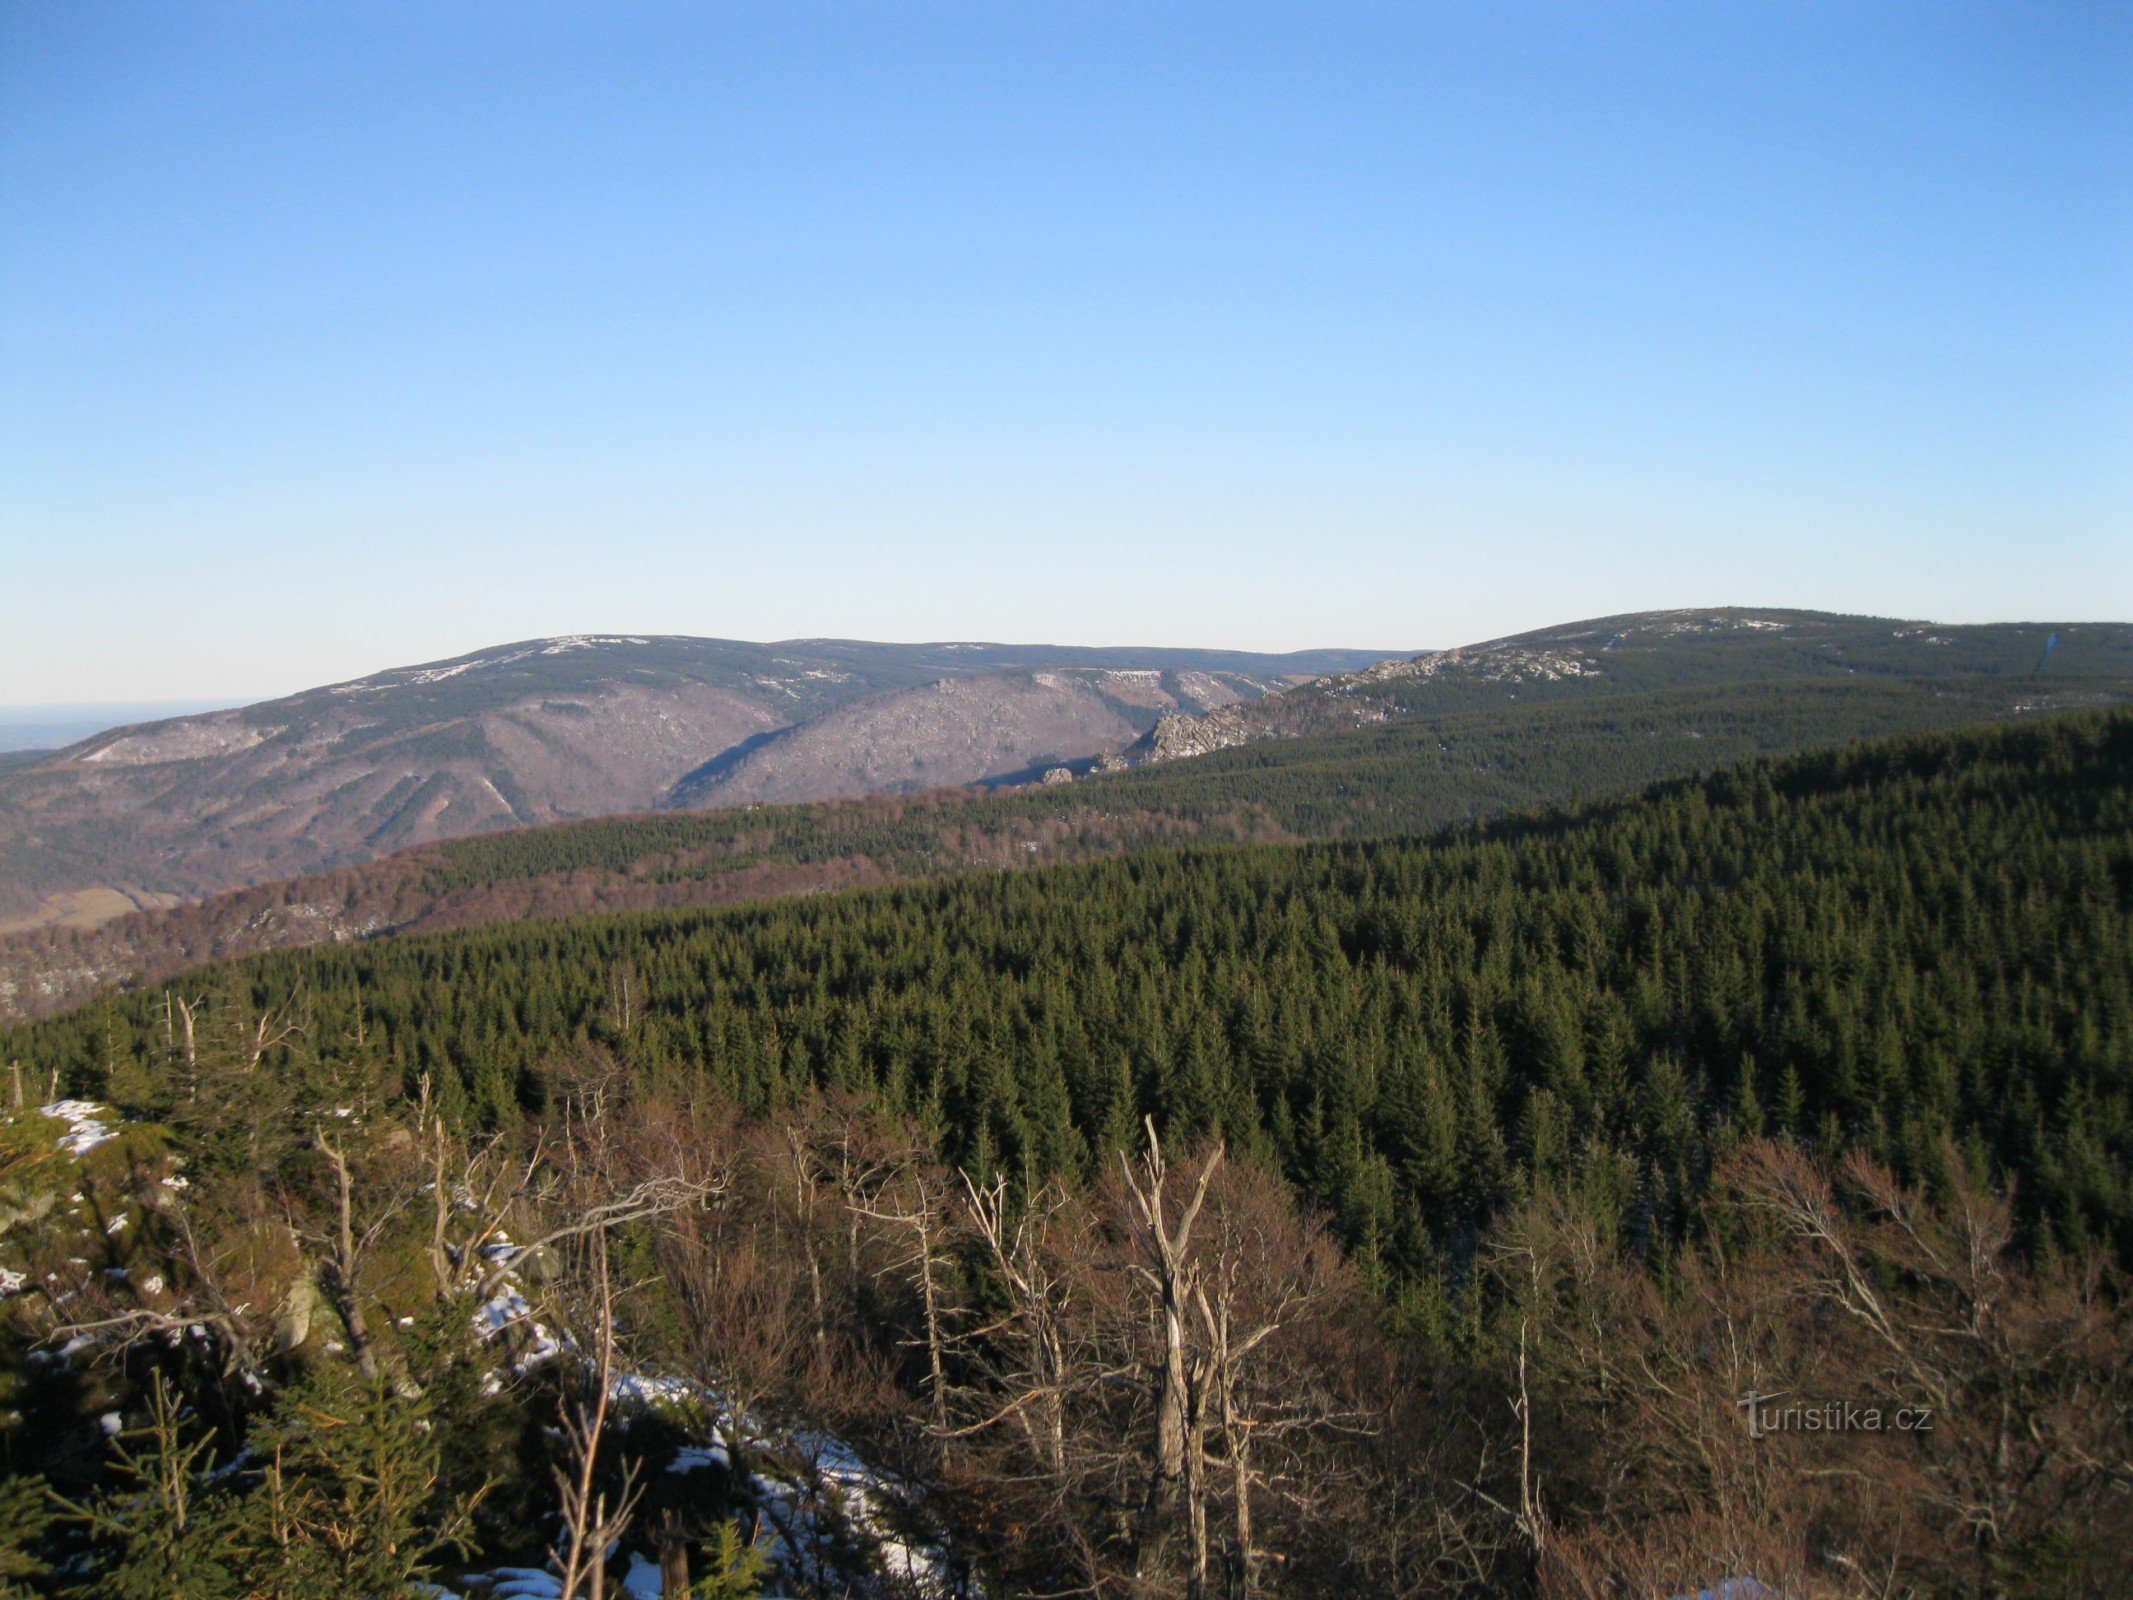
{"x": 86, "y": 1128}
{"x": 565, "y": 643}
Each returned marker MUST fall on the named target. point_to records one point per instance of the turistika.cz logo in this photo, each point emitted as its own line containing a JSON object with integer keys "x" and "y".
{"x": 1766, "y": 1416}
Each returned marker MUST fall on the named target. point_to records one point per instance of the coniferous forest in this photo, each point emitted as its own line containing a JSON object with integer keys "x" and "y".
{"x": 1540, "y": 1206}
{"x": 592, "y": 1007}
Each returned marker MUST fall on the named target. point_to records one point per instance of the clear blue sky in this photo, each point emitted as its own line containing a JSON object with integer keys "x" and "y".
{"x": 341, "y": 335}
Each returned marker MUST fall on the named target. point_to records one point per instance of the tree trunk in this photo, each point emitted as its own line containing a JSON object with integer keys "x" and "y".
{"x": 1170, "y": 1407}
{"x": 1237, "y": 1442}
{"x": 1053, "y": 1418}
{"x": 1195, "y": 1419}
{"x": 440, "y": 1257}
{"x": 933, "y": 1326}
{"x": 673, "y": 1565}
{"x": 342, "y": 1270}
{"x": 803, "y": 1200}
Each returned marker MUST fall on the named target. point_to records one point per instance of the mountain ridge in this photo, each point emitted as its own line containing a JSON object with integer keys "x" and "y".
{"x": 529, "y": 732}
{"x": 1648, "y": 650}
{"x": 552, "y": 730}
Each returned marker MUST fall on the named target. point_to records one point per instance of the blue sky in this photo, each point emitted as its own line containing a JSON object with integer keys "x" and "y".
{"x": 335, "y": 336}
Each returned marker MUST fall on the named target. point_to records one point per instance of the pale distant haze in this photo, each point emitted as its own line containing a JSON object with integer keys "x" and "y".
{"x": 335, "y": 336}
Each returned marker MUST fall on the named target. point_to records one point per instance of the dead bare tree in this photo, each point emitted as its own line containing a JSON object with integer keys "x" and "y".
{"x": 661, "y": 1195}
{"x": 594, "y": 1516}
{"x": 2023, "y": 1368}
{"x": 608, "y": 1169}
{"x": 857, "y": 1162}
{"x": 1285, "y": 1368}
{"x": 804, "y": 1173}
{"x": 441, "y": 1206}
{"x": 1032, "y": 1374}
{"x": 190, "y": 1069}
{"x": 274, "y": 1026}
{"x": 1845, "y": 1390}
{"x": 913, "y": 1201}
{"x": 1171, "y": 1272}
{"x": 345, "y": 1250}
{"x": 1231, "y": 1339}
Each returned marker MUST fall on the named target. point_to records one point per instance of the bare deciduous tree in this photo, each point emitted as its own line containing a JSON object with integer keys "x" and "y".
{"x": 1846, "y": 1390}
{"x": 594, "y": 1516}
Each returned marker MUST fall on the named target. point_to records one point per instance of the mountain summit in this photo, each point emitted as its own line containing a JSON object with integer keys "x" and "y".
{"x": 1648, "y": 650}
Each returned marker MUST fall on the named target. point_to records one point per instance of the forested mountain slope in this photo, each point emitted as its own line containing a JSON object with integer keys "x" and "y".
{"x": 555, "y": 728}
{"x": 1402, "y": 777}
{"x": 995, "y": 727}
{"x": 1653, "y": 650}
{"x": 1881, "y": 946}
{"x": 1622, "y": 1114}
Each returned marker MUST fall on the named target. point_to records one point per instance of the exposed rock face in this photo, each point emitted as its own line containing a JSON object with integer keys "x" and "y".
{"x": 1358, "y": 699}
{"x": 1500, "y": 663}
{"x": 1177, "y": 737}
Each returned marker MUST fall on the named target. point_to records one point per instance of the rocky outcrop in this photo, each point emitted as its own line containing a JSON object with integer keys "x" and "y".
{"x": 1175, "y": 738}
{"x": 1356, "y": 699}
{"x": 1486, "y": 663}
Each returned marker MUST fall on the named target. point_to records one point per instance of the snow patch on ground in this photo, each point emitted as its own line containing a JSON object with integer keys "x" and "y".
{"x": 829, "y": 1521}
{"x": 86, "y": 1128}
{"x": 512, "y": 1583}
{"x": 643, "y": 1581}
{"x": 694, "y": 1457}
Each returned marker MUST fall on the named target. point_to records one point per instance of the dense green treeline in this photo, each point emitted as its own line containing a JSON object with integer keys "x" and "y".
{"x": 1881, "y": 947}
{"x": 1400, "y": 778}
{"x": 1412, "y": 778}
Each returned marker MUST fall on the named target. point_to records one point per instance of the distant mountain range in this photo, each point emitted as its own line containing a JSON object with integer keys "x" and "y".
{"x": 551, "y": 729}
{"x": 1404, "y": 745}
